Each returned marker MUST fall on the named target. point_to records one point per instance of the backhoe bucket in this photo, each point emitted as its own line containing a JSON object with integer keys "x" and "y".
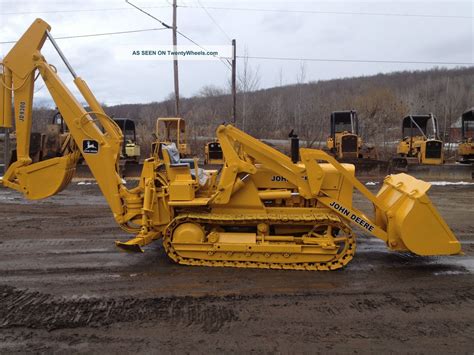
{"x": 48, "y": 177}
{"x": 411, "y": 220}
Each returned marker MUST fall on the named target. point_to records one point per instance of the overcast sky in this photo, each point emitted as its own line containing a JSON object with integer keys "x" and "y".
{"x": 262, "y": 33}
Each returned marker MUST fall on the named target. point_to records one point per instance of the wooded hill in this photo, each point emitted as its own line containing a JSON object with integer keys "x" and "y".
{"x": 381, "y": 101}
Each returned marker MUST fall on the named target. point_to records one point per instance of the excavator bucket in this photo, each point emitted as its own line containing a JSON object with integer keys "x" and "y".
{"x": 48, "y": 177}
{"x": 411, "y": 220}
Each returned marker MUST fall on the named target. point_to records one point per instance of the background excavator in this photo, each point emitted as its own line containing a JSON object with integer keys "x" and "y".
{"x": 261, "y": 210}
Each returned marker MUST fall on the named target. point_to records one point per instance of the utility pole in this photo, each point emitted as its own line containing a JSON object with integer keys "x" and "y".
{"x": 234, "y": 89}
{"x": 175, "y": 61}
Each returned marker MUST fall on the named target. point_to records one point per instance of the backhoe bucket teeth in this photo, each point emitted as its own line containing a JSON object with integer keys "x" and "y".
{"x": 46, "y": 178}
{"x": 411, "y": 220}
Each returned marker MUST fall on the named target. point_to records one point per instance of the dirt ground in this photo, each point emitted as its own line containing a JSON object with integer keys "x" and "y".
{"x": 65, "y": 288}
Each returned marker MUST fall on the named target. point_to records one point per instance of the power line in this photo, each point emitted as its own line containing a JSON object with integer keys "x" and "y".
{"x": 245, "y": 9}
{"x": 177, "y": 31}
{"x": 355, "y": 60}
{"x": 148, "y": 14}
{"x": 100, "y": 34}
{"x": 197, "y": 44}
{"x": 331, "y": 12}
{"x": 213, "y": 20}
{"x": 81, "y": 10}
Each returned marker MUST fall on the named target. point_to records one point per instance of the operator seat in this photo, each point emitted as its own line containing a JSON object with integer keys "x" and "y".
{"x": 175, "y": 161}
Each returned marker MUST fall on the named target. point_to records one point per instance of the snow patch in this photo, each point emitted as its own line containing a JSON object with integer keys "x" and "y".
{"x": 449, "y": 183}
{"x": 371, "y": 183}
{"x": 6, "y": 198}
{"x": 450, "y": 272}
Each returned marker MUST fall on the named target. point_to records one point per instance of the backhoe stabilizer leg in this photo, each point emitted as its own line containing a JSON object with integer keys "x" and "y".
{"x": 135, "y": 244}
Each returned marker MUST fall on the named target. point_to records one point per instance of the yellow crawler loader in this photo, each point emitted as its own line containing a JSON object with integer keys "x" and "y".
{"x": 130, "y": 148}
{"x": 345, "y": 141}
{"x": 262, "y": 210}
{"x": 420, "y": 142}
{"x": 466, "y": 146}
{"x": 213, "y": 154}
{"x": 172, "y": 130}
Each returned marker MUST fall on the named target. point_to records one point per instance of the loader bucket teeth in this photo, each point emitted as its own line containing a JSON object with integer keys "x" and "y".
{"x": 411, "y": 220}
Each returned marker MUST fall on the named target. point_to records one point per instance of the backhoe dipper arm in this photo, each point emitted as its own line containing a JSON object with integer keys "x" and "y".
{"x": 99, "y": 149}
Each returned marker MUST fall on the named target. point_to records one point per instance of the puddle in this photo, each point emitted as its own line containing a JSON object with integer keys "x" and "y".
{"x": 453, "y": 265}
{"x": 468, "y": 264}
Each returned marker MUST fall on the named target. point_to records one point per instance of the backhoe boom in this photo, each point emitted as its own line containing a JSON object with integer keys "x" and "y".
{"x": 97, "y": 137}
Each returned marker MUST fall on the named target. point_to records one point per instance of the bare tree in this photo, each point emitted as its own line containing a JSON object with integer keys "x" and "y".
{"x": 280, "y": 77}
{"x": 380, "y": 112}
{"x": 248, "y": 80}
{"x": 301, "y": 118}
{"x": 381, "y": 101}
{"x": 211, "y": 91}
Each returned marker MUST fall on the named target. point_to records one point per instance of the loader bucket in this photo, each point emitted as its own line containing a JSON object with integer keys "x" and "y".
{"x": 411, "y": 220}
{"x": 47, "y": 177}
